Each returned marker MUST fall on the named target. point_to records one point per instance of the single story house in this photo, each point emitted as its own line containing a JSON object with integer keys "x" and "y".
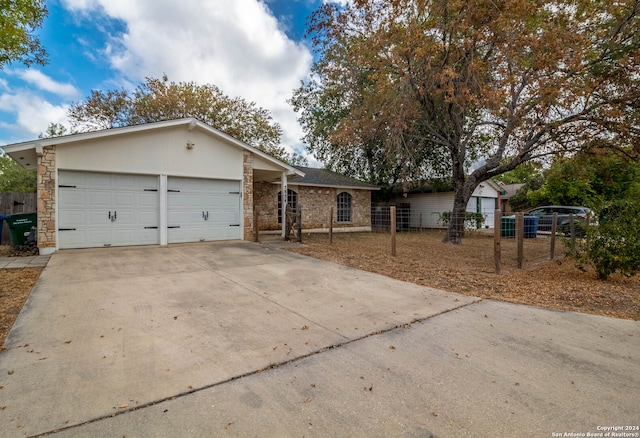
{"x": 425, "y": 209}
{"x": 317, "y": 192}
{"x": 509, "y": 191}
{"x": 174, "y": 181}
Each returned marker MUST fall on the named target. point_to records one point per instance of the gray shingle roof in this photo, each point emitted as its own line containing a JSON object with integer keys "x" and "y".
{"x": 327, "y": 178}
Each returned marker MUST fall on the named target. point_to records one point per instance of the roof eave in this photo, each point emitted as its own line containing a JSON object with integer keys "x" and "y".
{"x": 334, "y": 186}
{"x": 37, "y": 145}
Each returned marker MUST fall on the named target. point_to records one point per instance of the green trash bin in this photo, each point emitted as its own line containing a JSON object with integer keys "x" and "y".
{"x": 508, "y": 226}
{"x": 20, "y": 226}
{"x": 2, "y": 218}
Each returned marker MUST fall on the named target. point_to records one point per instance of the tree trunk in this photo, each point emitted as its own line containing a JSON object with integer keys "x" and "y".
{"x": 455, "y": 230}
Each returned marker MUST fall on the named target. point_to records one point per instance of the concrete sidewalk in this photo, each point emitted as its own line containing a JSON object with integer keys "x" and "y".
{"x": 24, "y": 262}
{"x": 241, "y": 339}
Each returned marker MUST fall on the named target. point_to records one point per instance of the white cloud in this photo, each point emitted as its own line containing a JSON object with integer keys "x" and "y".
{"x": 33, "y": 113}
{"x": 342, "y": 3}
{"x": 44, "y": 82}
{"x": 235, "y": 44}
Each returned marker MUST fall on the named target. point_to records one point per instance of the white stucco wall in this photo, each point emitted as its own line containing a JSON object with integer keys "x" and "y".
{"x": 158, "y": 152}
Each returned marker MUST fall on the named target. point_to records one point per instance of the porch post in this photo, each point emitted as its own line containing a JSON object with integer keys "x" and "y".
{"x": 284, "y": 200}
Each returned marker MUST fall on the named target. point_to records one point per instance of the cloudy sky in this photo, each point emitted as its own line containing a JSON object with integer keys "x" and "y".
{"x": 254, "y": 49}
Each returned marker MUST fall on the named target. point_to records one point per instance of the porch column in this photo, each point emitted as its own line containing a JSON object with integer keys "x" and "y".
{"x": 47, "y": 191}
{"x": 247, "y": 196}
{"x": 284, "y": 198}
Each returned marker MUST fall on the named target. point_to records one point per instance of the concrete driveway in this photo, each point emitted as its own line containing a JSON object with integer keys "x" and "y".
{"x": 237, "y": 339}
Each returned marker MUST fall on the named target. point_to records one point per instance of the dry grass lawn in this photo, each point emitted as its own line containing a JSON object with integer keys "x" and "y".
{"x": 469, "y": 269}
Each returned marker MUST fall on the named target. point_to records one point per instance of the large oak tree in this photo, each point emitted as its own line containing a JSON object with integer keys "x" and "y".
{"x": 157, "y": 100}
{"x": 470, "y": 88}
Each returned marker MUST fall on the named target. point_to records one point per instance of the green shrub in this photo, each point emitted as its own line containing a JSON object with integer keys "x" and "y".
{"x": 614, "y": 244}
{"x": 471, "y": 220}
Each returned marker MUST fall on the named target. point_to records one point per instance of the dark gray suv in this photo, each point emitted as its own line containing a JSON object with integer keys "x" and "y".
{"x": 545, "y": 218}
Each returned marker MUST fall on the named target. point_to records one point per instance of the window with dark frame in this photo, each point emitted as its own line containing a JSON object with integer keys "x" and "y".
{"x": 344, "y": 207}
{"x": 292, "y": 201}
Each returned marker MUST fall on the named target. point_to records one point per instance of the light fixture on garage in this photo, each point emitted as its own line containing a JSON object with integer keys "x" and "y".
{"x": 190, "y": 145}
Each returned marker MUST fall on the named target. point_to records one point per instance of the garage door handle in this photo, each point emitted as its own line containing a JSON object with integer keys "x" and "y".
{"x": 114, "y": 217}
{"x": 205, "y": 215}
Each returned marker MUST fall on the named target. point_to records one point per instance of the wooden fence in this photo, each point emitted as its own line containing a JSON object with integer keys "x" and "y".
{"x": 15, "y": 203}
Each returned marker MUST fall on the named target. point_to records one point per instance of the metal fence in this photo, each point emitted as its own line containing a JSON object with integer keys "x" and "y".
{"x": 516, "y": 238}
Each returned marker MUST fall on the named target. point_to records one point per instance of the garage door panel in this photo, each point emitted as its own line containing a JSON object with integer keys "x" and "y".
{"x": 147, "y": 200}
{"x": 72, "y": 239}
{"x": 122, "y": 199}
{"x": 98, "y": 180}
{"x": 75, "y": 199}
{"x": 97, "y": 219}
{"x": 203, "y": 209}
{"x": 101, "y": 237}
{"x": 197, "y": 209}
{"x": 71, "y": 218}
{"x": 87, "y": 200}
{"x": 71, "y": 178}
{"x": 147, "y": 218}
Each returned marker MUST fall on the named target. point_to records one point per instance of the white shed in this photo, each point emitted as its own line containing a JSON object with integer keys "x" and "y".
{"x": 428, "y": 207}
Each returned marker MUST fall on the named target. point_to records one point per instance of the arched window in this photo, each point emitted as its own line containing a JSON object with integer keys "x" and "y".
{"x": 344, "y": 207}
{"x": 292, "y": 201}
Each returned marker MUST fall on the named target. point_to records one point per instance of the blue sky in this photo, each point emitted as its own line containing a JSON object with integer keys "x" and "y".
{"x": 249, "y": 48}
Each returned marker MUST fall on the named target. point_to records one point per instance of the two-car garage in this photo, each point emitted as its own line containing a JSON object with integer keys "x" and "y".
{"x": 174, "y": 181}
{"x": 109, "y": 209}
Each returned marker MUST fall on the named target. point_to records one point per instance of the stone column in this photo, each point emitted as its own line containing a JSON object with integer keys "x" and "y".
{"x": 247, "y": 190}
{"x": 46, "y": 182}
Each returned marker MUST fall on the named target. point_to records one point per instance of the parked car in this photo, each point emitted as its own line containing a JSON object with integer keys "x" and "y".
{"x": 545, "y": 218}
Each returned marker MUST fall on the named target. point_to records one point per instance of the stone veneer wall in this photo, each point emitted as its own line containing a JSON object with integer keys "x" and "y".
{"x": 46, "y": 182}
{"x": 247, "y": 198}
{"x": 316, "y": 203}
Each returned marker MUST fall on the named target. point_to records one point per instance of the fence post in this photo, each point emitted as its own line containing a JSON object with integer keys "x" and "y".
{"x": 497, "y": 233}
{"x": 331, "y": 226}
{"x": 392, "y": 217}
{"x": 554, "y": 226}
{"x": 421, "y": 222}
{"x": 256, "y": 226}
{"x": 520, "y": 237}
{"x": 572, "y": 230}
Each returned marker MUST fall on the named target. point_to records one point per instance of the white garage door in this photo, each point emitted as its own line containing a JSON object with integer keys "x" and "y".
{"x": 103, "y": 209}
{"x": 202, "y": 210}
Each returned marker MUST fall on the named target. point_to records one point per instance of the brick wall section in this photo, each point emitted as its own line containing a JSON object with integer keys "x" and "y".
{"x": 265, "y": 199}
{"x": 247, "y": 199}
{"x": 316, "y": 203}
{"x": 46, "y": 181}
